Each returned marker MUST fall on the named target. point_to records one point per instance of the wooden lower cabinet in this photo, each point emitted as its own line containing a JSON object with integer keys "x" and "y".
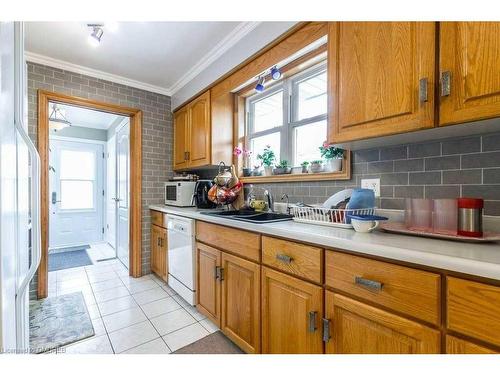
{"x": 454, "y": 345}
{"x": 357, "y": 328}
{"x": 208, "y": 260}
{"x": 240, "y": 313}
{"x": 292, "y": 311}
{"x": 159, "y": 259}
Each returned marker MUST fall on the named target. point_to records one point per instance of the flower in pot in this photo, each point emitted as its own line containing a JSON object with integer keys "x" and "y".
{"x": 304, "y": 165}
{"x": 317, "y": 166}
{"x": 238, "y": 151}
{"x": 333, "y": 156}
{"x": 282, "y": 168}
{"x": 267, "y": 158}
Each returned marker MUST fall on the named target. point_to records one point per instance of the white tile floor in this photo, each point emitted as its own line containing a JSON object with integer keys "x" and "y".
{"x": 130, "y": 315}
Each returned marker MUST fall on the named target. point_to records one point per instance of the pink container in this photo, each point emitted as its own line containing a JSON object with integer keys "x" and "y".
{"x": 418, "y": 214}
{"x": 444, "y": 219}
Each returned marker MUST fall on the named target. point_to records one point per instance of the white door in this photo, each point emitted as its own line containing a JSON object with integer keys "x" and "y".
{"x": 122, "y": 169}
{"x": 111, "y": 192}
{"x": 76, "y": 193}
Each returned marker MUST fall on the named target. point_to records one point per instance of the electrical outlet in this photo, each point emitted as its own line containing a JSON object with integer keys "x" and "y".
{"x": 372, "y": 183}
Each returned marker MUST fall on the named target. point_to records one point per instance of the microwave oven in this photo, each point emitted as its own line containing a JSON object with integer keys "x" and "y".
{"x": 179, "y": 193}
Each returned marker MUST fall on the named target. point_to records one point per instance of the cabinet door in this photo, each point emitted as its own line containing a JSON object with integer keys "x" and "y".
{"x": 470, "y": 52}
{"x": 292, "y": 311}
{"x": 241, "y": 302}
{"x": 208, "y": 260}
{"x": 375, "y": 72}
{"x": 156, "y": 235}
{"x": 454, "y": 345}
{"x": 181, "y": 134}
{"x": 163, "y": 257}
{"x": 199, "y": 131}
{"x": 357, "y": 328}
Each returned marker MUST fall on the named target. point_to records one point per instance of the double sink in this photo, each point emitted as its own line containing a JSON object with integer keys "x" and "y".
{"x": 251, "y": 216}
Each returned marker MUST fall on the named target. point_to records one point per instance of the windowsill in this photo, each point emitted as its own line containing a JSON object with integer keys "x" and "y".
{"x": 340, "y": 175}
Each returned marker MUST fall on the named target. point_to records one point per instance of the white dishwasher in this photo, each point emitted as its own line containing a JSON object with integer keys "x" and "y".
{"x": 181, "y": 257}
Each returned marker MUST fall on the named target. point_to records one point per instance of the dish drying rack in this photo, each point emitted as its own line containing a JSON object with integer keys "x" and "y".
{"x": 331, "y": 217}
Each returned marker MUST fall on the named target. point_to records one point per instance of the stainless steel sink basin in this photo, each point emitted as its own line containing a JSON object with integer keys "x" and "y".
{"x": 251, "y": 216}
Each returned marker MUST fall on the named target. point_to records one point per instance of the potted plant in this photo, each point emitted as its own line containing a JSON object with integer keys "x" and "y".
{"x": 267, "y": 158}
{"x": 282, "y": 168}
{"x": 304, "y": 165}
{"x": 333, "y": 156}
{"x": 317, "y": 166}
{"x": 247, "y": 171}
{"x": 256, "y": 171}
{"x": 297, "y": 170}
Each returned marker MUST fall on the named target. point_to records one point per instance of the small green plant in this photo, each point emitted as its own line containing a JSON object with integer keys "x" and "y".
{"x": 304, "y": 164}
{"x": 329, "y": 151}
{"x": 267, "y": 157}
{"x": 317, "y": 162}
{"x": 282, "y": 164}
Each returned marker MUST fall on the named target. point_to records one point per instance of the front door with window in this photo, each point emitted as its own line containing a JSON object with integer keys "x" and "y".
{"x": 76, "y": 193}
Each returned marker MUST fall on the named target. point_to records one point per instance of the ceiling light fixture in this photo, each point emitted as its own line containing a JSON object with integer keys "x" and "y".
{"x": 275, "y": 73}
{"x": 260, "y": 84}
{"x": 95, "y": 37}
{"x": 57, "y": 120}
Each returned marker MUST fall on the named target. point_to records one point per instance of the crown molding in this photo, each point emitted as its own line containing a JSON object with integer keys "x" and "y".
{"x": 60, "y": 64}
{"x": 224, "y": 45}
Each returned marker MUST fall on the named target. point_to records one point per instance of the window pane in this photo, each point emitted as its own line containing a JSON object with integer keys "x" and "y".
{"x": 257, "y": 146}
{"x": 77, "y": 165}
{"x": 268, "y": 112}
{"x": 308, "y": 139}
{"x": 77, "y": 195}
{"x": 312, "y": 99}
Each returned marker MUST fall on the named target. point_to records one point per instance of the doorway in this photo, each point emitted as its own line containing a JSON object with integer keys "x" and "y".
{"x": 91, "y": 183}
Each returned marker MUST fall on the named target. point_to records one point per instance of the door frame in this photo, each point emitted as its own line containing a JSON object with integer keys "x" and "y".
{"x": 135, "y": 209}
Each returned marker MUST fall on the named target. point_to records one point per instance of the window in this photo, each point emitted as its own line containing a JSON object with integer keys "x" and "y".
{"x": 77, "y": 177}
{"x": 290, "y": 116}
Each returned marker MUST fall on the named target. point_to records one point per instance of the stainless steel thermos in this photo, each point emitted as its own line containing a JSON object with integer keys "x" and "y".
{"x": 470, "y": 217}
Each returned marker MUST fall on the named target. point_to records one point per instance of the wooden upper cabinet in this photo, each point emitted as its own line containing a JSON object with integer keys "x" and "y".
{"x": 380, "y": 78}
{"x": 240, "y": 315}
{"x": 454, "y": 345}
{"x": 292, "y": 311}
{"x": 181, "y": 138}
{"x": 357, "y": 328}
{"x": 200, "y": 132}
{"x": 470, "y": 54}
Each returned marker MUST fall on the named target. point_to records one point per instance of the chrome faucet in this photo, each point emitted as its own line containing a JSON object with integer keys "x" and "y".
{"x": 270, "y": 200}
{"x": 283, "y": 197}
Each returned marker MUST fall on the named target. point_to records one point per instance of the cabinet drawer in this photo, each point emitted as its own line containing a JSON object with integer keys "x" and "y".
{"x": 298, "y": 259}
{"x": 239, "y": 242}
{"x": 474, "y": 309}
{"x": 403, "y": 289}
{"x": 158, "y": 218}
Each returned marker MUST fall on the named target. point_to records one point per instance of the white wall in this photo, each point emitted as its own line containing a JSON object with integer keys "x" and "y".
{"x": 258, "y": 38}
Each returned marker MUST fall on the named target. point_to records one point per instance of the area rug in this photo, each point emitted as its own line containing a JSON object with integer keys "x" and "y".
{"x": 58, "y": 321}
{"x": 73, "y": 257}
{"x": 215, "y": 343}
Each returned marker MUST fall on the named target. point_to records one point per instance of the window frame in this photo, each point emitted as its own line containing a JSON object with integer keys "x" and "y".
{"x": 289, "y": 86}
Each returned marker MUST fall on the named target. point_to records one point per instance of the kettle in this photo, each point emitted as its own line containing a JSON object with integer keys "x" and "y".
{"x": 200, "y": 196}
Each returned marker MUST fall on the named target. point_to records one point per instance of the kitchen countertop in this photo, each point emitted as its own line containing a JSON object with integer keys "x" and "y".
{"x": 473, "y": 259}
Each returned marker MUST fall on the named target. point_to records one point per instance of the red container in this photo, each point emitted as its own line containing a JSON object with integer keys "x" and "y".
{"x": 470, "y": 217}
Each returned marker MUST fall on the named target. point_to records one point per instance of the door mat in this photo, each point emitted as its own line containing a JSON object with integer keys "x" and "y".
{"x": 68, "y": 248}
{"x": 58, "y": 321}
{"x": 69, "y": 259}
{"x": 215, "y": 343}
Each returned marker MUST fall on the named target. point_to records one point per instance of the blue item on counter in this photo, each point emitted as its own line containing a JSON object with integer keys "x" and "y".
{"x": 361, "y": 198}
{"x": 368, "y": 217}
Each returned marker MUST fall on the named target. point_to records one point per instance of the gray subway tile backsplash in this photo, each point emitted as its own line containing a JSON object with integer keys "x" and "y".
{"x": 468, "y": 166}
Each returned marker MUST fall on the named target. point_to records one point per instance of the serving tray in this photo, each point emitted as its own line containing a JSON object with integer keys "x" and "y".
{"x": 400, "y": 228}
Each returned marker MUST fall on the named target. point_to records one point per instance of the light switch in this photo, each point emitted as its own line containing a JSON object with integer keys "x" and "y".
{"x": 371, "y": 183}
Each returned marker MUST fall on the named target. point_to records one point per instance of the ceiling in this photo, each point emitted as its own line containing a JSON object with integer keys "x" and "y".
{"x": 156, "y": 56}
{"x": 87, "y": 118}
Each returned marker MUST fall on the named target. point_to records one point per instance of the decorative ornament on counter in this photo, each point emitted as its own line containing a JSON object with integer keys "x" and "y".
{"x": 227, "y": 186}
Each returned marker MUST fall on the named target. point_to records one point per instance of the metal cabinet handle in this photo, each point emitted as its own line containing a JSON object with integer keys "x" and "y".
{"x": 221, "y": 273}
{"x": 312, "y": 320}
{"x": 284, "y": 258}
{"x": 326, "y": 330}
{"x": 445, "y": 83}
{"x": 369, "y": 284}
{"x": 217, "y": 272}
{"x": 422, "y": 90}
